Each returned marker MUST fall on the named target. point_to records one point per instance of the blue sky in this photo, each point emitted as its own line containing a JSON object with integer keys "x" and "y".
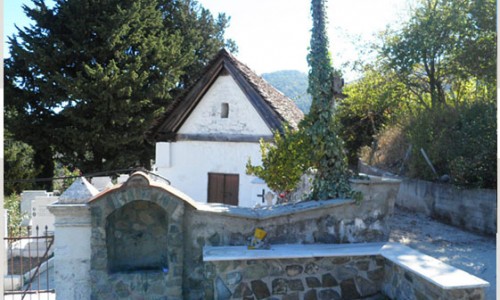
{"x": 274, "y": 34}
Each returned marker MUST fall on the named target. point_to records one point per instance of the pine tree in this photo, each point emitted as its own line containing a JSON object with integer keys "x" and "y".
{"x": 332, "y": 177}
{"x": 87, "y": 80}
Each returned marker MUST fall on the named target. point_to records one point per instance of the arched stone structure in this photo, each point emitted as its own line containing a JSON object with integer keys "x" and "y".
{"x": 148, "y": 219}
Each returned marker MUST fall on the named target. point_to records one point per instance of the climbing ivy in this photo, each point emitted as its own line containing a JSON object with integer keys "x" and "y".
{"x": 332, "y": 177}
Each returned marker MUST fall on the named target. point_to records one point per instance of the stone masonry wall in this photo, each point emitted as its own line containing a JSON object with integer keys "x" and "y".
{"x": 403, "y": 284}
{"x": 192, "y": 225}
{"x": 311, "y": 278}
{"x": 344, "y": 222}
{"x": 471, "y": 209}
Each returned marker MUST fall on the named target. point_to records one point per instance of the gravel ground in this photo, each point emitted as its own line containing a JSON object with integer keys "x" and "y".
{"x": 467, "y": 251}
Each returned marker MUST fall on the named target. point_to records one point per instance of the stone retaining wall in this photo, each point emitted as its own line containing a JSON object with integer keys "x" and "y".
{"x": 192, "y": 226}
{"x": 471, "y": 209}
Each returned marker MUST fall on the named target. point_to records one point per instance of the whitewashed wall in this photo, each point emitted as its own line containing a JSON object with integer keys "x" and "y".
{"x": 187, "y": 163}
{"x": 40, "y": 215}
{"x": 242, "y": 118}
{"x": 191, "y": 161}
{"x": 72, "y": 251}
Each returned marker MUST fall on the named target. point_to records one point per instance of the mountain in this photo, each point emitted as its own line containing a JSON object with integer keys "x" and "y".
{"x": 293, "y": 84}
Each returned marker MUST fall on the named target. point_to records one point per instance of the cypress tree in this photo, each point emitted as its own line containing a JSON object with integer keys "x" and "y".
{"x": 87, "y": 80}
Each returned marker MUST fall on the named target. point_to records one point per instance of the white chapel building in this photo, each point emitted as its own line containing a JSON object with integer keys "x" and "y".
{"x": 206, "y": 136}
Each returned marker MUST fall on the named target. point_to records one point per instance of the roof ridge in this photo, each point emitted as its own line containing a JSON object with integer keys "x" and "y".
{"x": 282, "y": 106}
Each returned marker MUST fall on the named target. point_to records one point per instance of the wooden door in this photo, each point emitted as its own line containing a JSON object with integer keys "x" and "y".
{"x": 223, "y": 188}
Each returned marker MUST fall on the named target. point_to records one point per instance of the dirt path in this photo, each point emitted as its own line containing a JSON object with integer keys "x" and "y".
{"x": 473, "y": 253}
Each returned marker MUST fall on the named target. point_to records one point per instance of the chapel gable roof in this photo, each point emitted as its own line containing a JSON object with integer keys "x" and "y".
{"x": 272, "y": 105}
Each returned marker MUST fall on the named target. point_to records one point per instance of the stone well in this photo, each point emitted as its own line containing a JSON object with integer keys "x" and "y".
{"x": 136, "y": 242}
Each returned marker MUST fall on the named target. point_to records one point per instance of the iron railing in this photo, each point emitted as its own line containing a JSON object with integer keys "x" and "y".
{"x": 29, "y": 259}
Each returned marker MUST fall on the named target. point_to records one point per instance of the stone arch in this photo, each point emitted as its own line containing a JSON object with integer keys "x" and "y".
{"x": 136, "y": 238}
{"x": 112, "y": 274}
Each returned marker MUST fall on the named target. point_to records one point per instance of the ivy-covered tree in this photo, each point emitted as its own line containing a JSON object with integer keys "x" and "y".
{"x": 332, "y": 177}
{"x": 89, "y": 77}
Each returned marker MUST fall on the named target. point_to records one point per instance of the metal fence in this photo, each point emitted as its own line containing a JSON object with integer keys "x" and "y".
{"x": 30, "y": 265}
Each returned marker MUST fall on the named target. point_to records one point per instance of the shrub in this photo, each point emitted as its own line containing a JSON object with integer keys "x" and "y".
{"x": 460, "y": 141}
{"x": 392, "y": 145}
{"x": 283, "y": 162}
{"x": 14, "y": 219}
{"x": 473, "y": 163}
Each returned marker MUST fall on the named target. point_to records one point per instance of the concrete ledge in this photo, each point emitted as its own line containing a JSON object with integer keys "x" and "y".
{"x": 264, "y": 213}
{"x": 286, "y": 251}
{"x": 430, "y": 269}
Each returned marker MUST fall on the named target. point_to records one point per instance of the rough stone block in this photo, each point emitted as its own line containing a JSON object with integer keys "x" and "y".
{"x": 294, "y": 270}
{"x": 255, "y": 271}
{"x": 328, "y": 280}
{"x": 349, "y": 290}
{"x": 242, "y": 291}
{"x": 260, "y": 289}
{"x": 280, "y": 286}
{"x": 295, "y": 285}
{"x": 328, "y": 294}
{"x": 222, "y": 290}
{"x": 313, "y": 282}
{"x": 366, "y": 287}
{"x": 345, "y": 272}
{"x": 311, "y": 268}
{"x": 233, "y": 278}
{"x": 311, "y": 295}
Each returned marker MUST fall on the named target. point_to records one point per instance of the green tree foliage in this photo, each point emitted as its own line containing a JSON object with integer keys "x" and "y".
{"x": 460, "y": 141}
{"x": 332, "y": 176}
{"x": 444, "y": 42}
{"x": 87, "y": 80}
{"x": 374, "y": 101}
{"x": 284, "y": 161}
{"x": 18, "y": 165}
{"x": 68, "y": 174}
{"x": 203, "y": 35}
{"x": 12, "y": 204}
{"x": 440, "y": 86}
{"x": 475, "y": 52}
{"x": 293, "y": 84}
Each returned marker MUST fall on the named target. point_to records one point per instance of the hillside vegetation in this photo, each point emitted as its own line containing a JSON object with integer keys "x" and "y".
{"x": 426, "y": 108}
{"x": 431, "y": 91}
{"x": 293, "y": 84}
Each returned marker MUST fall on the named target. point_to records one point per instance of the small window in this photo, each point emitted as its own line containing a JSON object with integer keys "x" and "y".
{"x": 224, "y": 114}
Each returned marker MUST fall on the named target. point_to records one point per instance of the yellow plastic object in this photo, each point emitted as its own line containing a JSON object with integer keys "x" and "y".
{"x": 258, "y": 236}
